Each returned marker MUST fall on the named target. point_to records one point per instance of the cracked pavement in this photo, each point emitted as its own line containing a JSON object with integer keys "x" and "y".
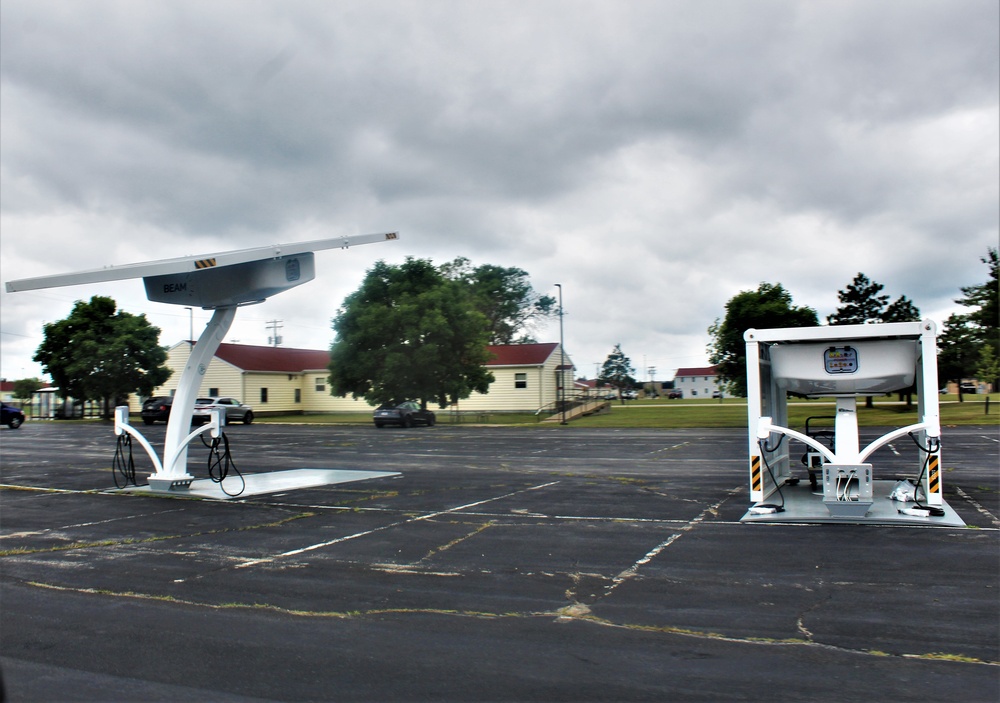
{"x": 504, "y": 563}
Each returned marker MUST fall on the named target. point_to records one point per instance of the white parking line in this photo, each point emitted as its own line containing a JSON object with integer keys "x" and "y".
{"x": 428, "y": 516}
{"x": 655, "y": 551}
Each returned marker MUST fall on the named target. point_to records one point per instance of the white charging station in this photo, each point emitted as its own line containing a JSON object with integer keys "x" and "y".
{"x": 841, "y": 363}
{"x": 221, "y": 282}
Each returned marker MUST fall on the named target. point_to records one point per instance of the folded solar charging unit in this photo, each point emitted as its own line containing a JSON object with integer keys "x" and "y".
{"x": 842, "y": 363}
{"x": 220, "y": 282}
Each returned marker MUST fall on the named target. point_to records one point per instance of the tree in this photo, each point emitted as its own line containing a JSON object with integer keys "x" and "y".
{"x": 101, "y": 353}
{"x": 768, "y": 307}
{"x": 505, "y": 297}
{"x": 985, "y": 301}
{"x": 861, "y": 304}
{"x": 988, "y": 368}
{"x": 617, "y": 370}
{"x": 958, "y": 350}
{"x": 24, "y": 388}
{"x": 902, "y": 310}
{"x": 409, "y": 332}
{"x": 965, "y": 334}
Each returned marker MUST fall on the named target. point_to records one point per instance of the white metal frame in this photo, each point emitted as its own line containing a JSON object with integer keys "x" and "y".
{"x": 767, "y": 405}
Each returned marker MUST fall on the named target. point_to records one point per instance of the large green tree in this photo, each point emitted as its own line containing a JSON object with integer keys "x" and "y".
{"x": 101, "y": 353}
{"x": 409, "y": 332}
{"x": 862, "y": 304}
{"x": 505, "y": 297}
{"x": 768, "y": 307}
{"x": 965, "y": 335}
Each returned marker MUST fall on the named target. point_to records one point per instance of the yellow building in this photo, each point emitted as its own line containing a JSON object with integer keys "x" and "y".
{"x": 279, "y": 380}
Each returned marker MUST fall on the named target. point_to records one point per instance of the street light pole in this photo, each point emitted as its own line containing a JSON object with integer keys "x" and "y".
{"x": 190, "y": 324}
{"x": 562, "y": 361}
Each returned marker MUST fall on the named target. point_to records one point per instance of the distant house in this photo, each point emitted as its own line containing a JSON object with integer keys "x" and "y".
{"x": 698, "y": 382}
{"x": 281, "y": 380}
{"x": 528, "y": 377}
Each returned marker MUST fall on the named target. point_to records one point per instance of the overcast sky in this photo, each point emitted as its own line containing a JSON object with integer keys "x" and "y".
{"x": 653, "y": 157}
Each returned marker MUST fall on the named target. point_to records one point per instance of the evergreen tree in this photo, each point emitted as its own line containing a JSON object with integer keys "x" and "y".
{"x": 862, "y": 304}
{"x": 617, "y": 370}
{"x": 902, "y": 310}
{"x": 961, "y": 342}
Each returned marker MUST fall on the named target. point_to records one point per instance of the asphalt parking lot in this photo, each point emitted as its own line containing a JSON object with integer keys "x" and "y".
{"x": 502, "y": 564}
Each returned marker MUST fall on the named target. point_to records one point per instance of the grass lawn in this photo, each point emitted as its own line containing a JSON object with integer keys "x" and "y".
{"x": 730, "y": 412}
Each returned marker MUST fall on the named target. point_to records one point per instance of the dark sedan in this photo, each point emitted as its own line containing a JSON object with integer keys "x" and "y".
{"x": 11, "y": 416}
{"x": 156, "y": 409}
{"x": 405, "y": 414}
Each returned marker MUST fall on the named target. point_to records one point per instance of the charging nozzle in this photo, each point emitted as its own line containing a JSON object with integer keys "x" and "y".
{"x": 764, "y": 428}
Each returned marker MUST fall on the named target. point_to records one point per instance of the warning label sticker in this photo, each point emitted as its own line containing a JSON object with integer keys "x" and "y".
{"x": 840, "y": 360}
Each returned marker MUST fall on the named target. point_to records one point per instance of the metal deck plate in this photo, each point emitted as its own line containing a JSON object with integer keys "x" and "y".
{"x": 803, "y": 504}
{"x": 271, "y": 482}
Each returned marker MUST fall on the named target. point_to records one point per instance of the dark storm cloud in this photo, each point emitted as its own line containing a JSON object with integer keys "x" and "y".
{"x": 654, "y": 157}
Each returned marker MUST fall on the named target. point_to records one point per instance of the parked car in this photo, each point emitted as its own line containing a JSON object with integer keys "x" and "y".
{"x": 405, "y": 414}
{"x": 968, "y": 387}
{"x": 234, "y": 410}
{"x": 156, "y": 409}
{"x": 674, "y": 394}
{"x": 11, "y": 416}
{"x": 716, "y": 394}
{"x": 629, "y": 395}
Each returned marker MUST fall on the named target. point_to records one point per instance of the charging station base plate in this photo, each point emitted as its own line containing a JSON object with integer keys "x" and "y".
{"x": 270, "y": 482}
{"x": 802, "y": 505}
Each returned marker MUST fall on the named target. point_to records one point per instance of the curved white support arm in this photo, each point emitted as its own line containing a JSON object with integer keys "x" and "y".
{"x": 214, "y": 426}
{"x": 122, "y": 426}
{"x": 765, "y": 428}
{"x": 932, "y": 429}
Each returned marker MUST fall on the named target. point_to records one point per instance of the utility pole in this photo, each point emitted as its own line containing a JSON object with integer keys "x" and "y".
{"x": 562, "y": 361}
{"x": 274, "y": 326}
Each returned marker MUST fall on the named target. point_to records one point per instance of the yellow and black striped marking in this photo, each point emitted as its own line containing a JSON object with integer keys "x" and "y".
{"x": 756, "y": 477}
{"x": 204, "y": 263}
{"x": 934, "y": 474}
{"x": 392, "y": 235}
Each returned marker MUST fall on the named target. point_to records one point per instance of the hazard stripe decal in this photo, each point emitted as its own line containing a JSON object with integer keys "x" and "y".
{"x": 204, "y": 263}
{"x": 755, "y": 474}
{"x": 934, "y": 474}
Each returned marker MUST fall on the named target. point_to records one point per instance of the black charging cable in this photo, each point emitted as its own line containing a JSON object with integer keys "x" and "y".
{"x": 933, "y": 447}
{"x": 123, "y": 463}
{"x": 220, "y": 463}
{"x": 764, "y": 451}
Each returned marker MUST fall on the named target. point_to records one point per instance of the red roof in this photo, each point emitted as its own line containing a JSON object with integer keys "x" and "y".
{"x": 285, "y": 360}
{"x": 521, "y": 354}
{"x": 282, "y": 359}
{"x": 698, "y": 371}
